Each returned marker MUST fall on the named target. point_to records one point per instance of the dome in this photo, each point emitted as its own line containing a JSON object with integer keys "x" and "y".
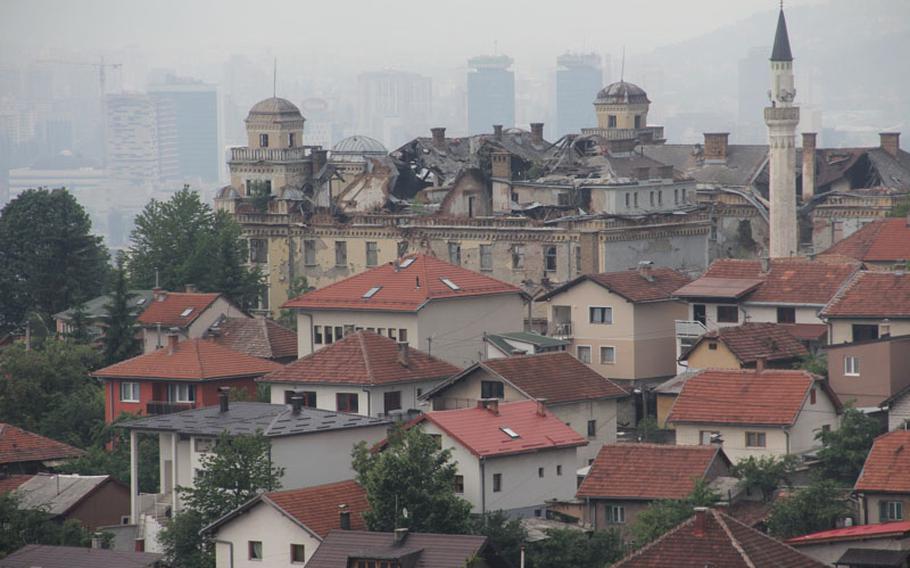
{"x": 361, "y": 145}
{"x": 275, "y": 106}
{"x": 622, "y": 93}
{"x": 227, "y": 192}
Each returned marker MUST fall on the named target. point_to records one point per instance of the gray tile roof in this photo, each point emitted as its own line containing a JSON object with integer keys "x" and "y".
{"x": 535, "y": 339}
{"x": 46, "y": 556}
{"x": 95, "y": 308}
{"x": 418, "y": 550}
{"x": 57, "y": 494}
{"x": 744, "y": 162}
{"x": 250, "y": 417}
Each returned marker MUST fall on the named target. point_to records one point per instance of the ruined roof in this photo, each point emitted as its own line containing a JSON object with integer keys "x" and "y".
{"x": 781, "y": 49}
{"x": 750, "y": 342}
{"x": 635, "y": 285}
{"x": 743, "y": 164}
{"x": 363, "y": 358}
{"x": 417, "y": 550}
{"x": 887, "y": 467}
{"x": 874, "y": 295}
{"x": 882, "y": 240}
{"x": 257, "y": 337}
{"x": 622, "y": 92}
{"x": 20, "y": 446}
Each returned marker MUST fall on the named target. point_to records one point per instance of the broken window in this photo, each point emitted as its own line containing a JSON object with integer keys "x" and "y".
{"x": 309, "y": 253}
{"x": 259, "y": 251}
{"x": 341, "y": 253}
{"x": 455, "y": 254}
{"x": 550, "y": 258}
{"x": 372, "y": 254}
{"x": 518, "y": 257}
{"x": 486, "y": 257}
{"x": 611, "y": 121}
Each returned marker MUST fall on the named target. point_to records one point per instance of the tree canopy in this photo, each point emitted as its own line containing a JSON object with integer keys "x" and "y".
{"x": 49, "y": 260}
{"x": 845, "y": 449}
{"x": 813, "y": 508}
{"x": 663, "y": 515}
{"x": 183, "y": 241}
{"x": 19, "y": 527}
{"x": 567, "y": 547}
{"x": 765, "y": 474}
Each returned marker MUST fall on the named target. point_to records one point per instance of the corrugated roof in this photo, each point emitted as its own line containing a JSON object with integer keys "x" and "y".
{"x": 57, "y": 493}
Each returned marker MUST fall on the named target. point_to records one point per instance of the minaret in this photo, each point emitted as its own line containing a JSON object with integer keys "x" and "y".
{"x": 782, "y": 118}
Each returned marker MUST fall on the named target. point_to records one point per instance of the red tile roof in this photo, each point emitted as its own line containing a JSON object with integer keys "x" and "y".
{"x": 18, "y": 446}
{"x": 882, "y": 240}
{"x": 259, "y": 337}
{"x": 728, "y": 396}
{"x": 807, "y": 331}
{"x": 722, "y": 541}
{"x": 752, "y": 341}
{"x": 191, "y": 360}
{"x": 12, "y": 482}
{"x": 168, "y": 309}
{"x": 874, "y": 295}
{"x": 479, "y": 430}
{"x": 789, "y": 280}
{"x": 402, "y": 289}
{"x": 887, "y": 468}
{"x": 319, "y": 508}
{"x": 859, "y": 532}
{"x": 362, "y": 358}
{"x": 557, "y": 377}
{"x": 647, "y": 471}
{"x": 632, "y": 285}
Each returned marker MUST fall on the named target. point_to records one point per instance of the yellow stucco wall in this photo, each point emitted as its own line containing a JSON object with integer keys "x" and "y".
{"x": 703, "y": 357}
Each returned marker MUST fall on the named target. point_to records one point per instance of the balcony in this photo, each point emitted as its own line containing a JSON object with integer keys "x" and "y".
{"x": 560, "y": 329}
{"x": 245, "y": 154}
{"x": 690, "y": 328}
{"x": 165, "y": 407}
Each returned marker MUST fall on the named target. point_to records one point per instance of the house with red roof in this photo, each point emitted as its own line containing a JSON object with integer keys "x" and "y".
{"x": 257, "y": 336}
{"x": 364, "y": 373}
{"x": 626, "y": 478}
{"x": 883, "y": 243}
{"x": 746, "y": 346}
{"x": 22, "y": 451}
{"x": 869, "y": 306}
{"x": 873, "y": 374}
{"x": 754, "y": 412}
{"x": 439, "y": 307}
{"x": 883, "y": 486}
{"x": 880, "y": 545}
{"x": 188, "y": 315}
{"x": 711, "y": 538}
{"x": 511, "y": 456}
{"x": 287, "y": 527}
{"x": 572, "y": 391}
{"x": 621, "y": 324}
{"x": 183, "y": 375}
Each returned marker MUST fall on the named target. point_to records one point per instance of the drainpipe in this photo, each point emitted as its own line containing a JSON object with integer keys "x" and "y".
{"x": 483, "y": 487}
{"x": 230, "y": 548}
{"x": 787, "y": 435}
{"x": 369, "y": 401}
{"x": 312, "y": 345}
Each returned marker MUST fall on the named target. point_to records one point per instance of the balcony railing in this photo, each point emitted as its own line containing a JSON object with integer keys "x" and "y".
{"x": 269, "y": 154}
{"x": 560, "y": 329}
{"x": 690, "y": 328}
{"x": 166, "y": 407}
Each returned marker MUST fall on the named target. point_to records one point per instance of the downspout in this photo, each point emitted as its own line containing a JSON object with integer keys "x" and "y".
{"x": 369, "y": 401}
{"x": 483, "y": 487}
{"x": 787, "y": 435}
{"x": 312, "y": 345}
{"x": 230, "y": 548}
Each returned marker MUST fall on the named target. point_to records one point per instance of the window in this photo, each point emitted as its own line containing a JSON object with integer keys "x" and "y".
{"x": 539, "y": 472}
{"x": 182, "y": 393}
{"x": 403, "y": 335}
{"x": 393, "y": 333}
{"x": 204, "y": 445}
{"x": 339, "y": 332}
{"x": 592, "y": 428}
{"x": 616, "y": 514}
{"x": 298, "y": 554}
{"x": 459, "y": 484}
{"x": 341, "y": 253}
{"x": 259, "y": 251}
{"x": 518, "y": 257}
{"x": 471, "y": 200}
{"x": 628, "y": 200}
{"x": 437, "y": 438}
{"x": 611, "y": 121}
{"x": 391, "y": 401}
{"x": 755, "y": 439}
{"x": 637, "y": 121}
{"x": 346, "y": 402}
{"x": 676, "y": 197}
{"x": 651, "y": 198}
{"x": 712, "y": 346}
{"x": 264, "y": 140}
{"x": 255, "y": 546}
{"x": 292, "y": 140}
{"x": 607, "y": 355}
{"x": 583, "y": 353}
{"x": 600, "y": 314}
{"x": 863, "y": 332}
{"x": 309, "y": 253}
{"x": 891, "y": 511}
{"x": 727, "y": 314}
{"x": 635, "y": 199}
{"x": 559, "y": 470}
{"x": 309, "y": 397}
{"x": 491, "y": 389}
{"x": 372, "y": 254}
{"x": 705, "y": 437}
{"x": 851, "y": 365}
{"x": 402, "y": 248}
{"x": 700, "y": 313}
{"x": 562, "y": 199}
{"x": 683, "y": 190}
{"x": 328, "y": 334}
{"x": 486, "y": 258}
{"x": 813, "y": 397}
{"x": 455, "y": 254}
{"x": 660, "y": 197}
{"x": 577, "y": 260}
{"x": 497, "y": 482}
{"x": 549, "y": 258}
{"x": 129, "y": 392}
{"x": 786, "y": 315}
{"x": 371, "y": 292}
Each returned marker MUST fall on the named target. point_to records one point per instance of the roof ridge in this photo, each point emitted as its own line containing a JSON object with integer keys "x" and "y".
{"x": 265, "y": 333}
{"x": 366, "y": 357}
{"x": 654, "y": 542}
{"x": 733, "y": 540}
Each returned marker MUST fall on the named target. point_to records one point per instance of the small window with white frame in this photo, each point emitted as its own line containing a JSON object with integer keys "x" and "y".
{"x": 616, "y": 514}
{"x": 891, "y": 511}
{"x": 600, "y": 314}
{"x": 583, "y": 353}
{"x": 607, "y": 355}
{"x": 851, "y": 365}
{"x": 129, "y": 392}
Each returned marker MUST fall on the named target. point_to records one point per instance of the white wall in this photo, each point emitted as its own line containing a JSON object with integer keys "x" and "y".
{"x": 810, "y": 421}
{"x": 899, "y": 413}
{"x": 755, "y": 314}
{"x": 370, "y": 401}
{"x": 265, "y": 524}
{"x": 467, "y": 463}
{"x": 358, "y": 319}
{"x": 735, "y": 439}
{"x": 577, "y": 414}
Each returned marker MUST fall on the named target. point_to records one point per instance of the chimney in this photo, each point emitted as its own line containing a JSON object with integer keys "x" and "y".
{"x": 643, "y": 173}
{"x": 497, "y": 131}
{"x": 765, "y": 264}
{"x": 536, "y": 132}
{"x": 158, "y": 294}
{"x": 96, "y": 540}
{"x": 404, "y": 355}
{"x": 139, "y": 545}
{"x": 344, "y": 518}
{"x": 223, "y": 403}
{"x": 541, "y": 407}
{"x": 501, "y": 164}
{"x": 296, "y": 403}
{"x": 716, "y": 146}
{"x": 809, "y": 141}
{"x": 890, "y": 142}
{"x": 172, "y": 340}
{"x": 319, "y": 159}
{"x": 399, "y": 536}
{"x": 760, "y": 365}
{"x": 190, "y": 288}
{"x": 698, "y": 530}
{"x": 645, "y": 270}
{"x": 491, "y": 404}
{"x": 439, "y": 136}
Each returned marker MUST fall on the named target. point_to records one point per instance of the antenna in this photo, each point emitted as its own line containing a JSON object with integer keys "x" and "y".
{"x": 622, "y": 69}
{"x": 275, "y": 79}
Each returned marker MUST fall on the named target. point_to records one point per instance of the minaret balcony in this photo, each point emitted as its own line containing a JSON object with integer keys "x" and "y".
{"x": 781, "y": 114}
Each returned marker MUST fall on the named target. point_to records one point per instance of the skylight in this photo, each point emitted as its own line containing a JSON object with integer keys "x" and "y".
{"x": 372, "y": 292}
{"x": 450, "y": 284}
{"x": 186, "y": 312}
{"x": 140, "y": 301}
{"x": 407, "y": 262}
{"x": 509, "y": 432}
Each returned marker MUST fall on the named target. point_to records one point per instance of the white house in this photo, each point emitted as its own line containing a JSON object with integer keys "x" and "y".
{"x": 188, "y": 315}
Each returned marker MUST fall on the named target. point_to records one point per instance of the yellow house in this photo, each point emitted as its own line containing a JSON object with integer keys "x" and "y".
{"x": 745, "y": 346}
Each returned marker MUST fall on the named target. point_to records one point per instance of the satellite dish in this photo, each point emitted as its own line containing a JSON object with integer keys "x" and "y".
{"x": 404, "y": 512}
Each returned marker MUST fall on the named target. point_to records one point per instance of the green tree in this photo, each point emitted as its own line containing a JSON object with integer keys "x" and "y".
{"x": 49, "y": 260}
{"x": 813, "y": 508}
{"x": 663, "y": 515}
{"x": 506, "y": 534}
{"x": 182, "y": 241}
{"x": 19, "y": 527}
{"x": 844, "y": 450}
{"x": 412, "y": 473}
{"x": 568, "y": 547}
{"x": 120, "y": 340}
{"x": 288, "y": 318}
{"x": 765, "y": 474}
{"x": 80, "y": 330}
{"x": 815, "y": 363}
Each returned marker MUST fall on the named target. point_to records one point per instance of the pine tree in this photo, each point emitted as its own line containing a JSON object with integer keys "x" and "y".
{"x": 120, "y": 341}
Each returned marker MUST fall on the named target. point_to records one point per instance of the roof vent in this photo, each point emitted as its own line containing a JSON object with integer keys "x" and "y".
{"x": 450, "y": 284}
{"x": 509, "y": 432}
{"x": 371, "y": 292}
{"x": 186, "y": 312}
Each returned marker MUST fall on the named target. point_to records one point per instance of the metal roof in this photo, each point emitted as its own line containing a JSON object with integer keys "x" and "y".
{"x": 57, "y": 494}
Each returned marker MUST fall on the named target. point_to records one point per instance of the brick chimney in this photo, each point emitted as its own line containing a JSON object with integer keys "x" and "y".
{"x": 497, "y": 131}
{"x": 541, "y": 407}
{"x": 404, "y": 354}
{"x": 491, "y": 404}
{"x": 172, "y": 340}
{"x": 645, "y": 269}
{"x": 296, "y": 403}
{"x": 536, "y": 132}
{"x": 809, "y": 141}
{"x": 760, "y": 364}
{"x": 223, "y": 402}
{"x": 158, "y": 294}
{"x": 320, "y": 157}
{"x": 698, "y": 527}
{"x": 439, "y": 136}
{"x": 501, "y": 165}
{"x": 890, "y": 142}
{"x": 399, "y": 536}
{"x": 190, "y": 288}
{"x": 716, "y": 146}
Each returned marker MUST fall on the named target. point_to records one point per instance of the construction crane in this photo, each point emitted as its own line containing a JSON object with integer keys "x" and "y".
{"x": 101, "y": 66}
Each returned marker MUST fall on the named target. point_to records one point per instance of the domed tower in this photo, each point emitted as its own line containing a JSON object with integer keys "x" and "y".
{"x": 622, "y": 105}
{"x": 274, "y": 123}
{"x": 782, "y": 117}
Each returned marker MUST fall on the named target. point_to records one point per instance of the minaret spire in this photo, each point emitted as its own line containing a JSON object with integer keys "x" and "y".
{"x": 781, "y": 50}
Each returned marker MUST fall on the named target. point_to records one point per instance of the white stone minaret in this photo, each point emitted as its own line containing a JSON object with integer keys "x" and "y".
{"x": 782, "y": 118}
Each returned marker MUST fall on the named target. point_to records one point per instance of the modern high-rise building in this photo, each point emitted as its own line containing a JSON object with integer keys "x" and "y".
{"x": 198, "y": 140}
{"x": 578, "y": 78}
{"x": 131, "y": 138}
{"x": 491, "y": 93}
{"x": 393, "y": 106}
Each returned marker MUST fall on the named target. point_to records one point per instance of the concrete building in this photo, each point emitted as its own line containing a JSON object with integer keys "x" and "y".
{"x": 746, "y": 346}
{"x": 577, "y": 76}
{"x": 194, "y": 112}
{"x": 870, "y": 305}
{"x": 139, "y": 147}
{"x": 622, "y": 114}
{"x": 869, "y": 373}
{"x": 491, "y": 92}
{"x": 187, "y": 315}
